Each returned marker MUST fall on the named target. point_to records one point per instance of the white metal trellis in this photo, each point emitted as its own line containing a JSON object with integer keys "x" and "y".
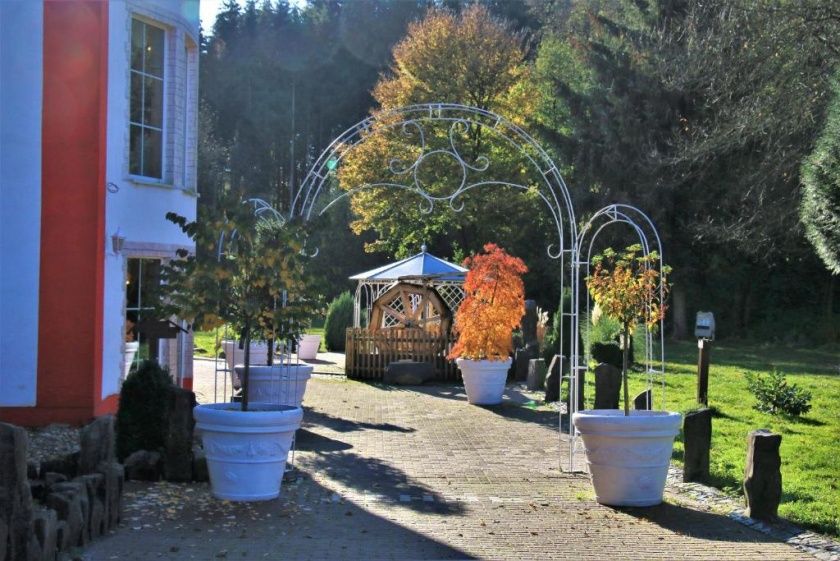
{"x": 648, "y": 238}
{"x": 412, "y": 122}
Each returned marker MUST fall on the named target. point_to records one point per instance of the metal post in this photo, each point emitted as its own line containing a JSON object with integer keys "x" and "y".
{"x": 705, "y": 350}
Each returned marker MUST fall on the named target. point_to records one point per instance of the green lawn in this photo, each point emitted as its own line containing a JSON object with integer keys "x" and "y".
{"x": 810, "y": 444}
{"x": 204, "y": 341}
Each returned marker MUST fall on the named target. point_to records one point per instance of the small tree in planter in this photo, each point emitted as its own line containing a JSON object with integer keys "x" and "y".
{"x": 628, "y": 289}
{"x": 247, "y": 261}
{"x": 628, "y": 454}
{"x": 493, "y": 307}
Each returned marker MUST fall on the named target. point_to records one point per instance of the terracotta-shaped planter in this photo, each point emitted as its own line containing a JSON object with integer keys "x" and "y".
{"x": 484, "y": 380}
{"x": 282, "y": 384}
{"x": 246, "y": 450}
{"x": 628, "y": 456}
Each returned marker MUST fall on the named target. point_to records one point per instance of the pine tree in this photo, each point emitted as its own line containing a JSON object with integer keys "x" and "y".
{"x": 820, "y": 208}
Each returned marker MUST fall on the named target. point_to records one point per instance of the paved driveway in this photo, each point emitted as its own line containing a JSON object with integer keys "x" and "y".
{"x": 395, "y": 473}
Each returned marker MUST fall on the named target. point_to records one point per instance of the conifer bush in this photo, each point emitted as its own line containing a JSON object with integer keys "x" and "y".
{"x": 141, "y": 418}
{"x": 339, "y": 318}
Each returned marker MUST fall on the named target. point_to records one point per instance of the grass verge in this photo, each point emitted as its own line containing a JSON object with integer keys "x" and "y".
{"x": 810, "y": 444}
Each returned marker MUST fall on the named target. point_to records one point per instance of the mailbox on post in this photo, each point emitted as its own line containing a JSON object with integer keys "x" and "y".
{"x": 704, "y": 326}
{"x": 704, "y": 330}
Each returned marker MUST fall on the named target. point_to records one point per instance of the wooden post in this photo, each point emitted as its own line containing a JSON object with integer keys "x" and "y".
{"x": 703, "y": 359}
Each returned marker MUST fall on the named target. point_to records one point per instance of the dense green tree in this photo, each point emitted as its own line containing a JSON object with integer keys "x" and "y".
{"x": 700, "y": 114}
{"x": 821, "y": 190}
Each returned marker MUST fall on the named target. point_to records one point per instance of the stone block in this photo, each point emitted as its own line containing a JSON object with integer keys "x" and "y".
{"x": 111, "y": 492}
{"x": 38, "y": 488}
{"x": 44, "y": 525}
{"x": 408, "y": 373}
{"x": 15, "y": 496}
{"x": 552, "y": 380}
{"x": 52, "y": 478}
{"x": 143, "y": 465}
{"x": 177, "y": 454}
{"x": 62, "y": 536}
{"x": 33, "y": 469}
{"x": 67, "y": 464}
{"x": 697, "y": 437}
{"x": 91, "y": 485}
{"x": 536, "y": 374}
{"x": 4, "y": 538}
{"x": 607, "y": 386}
{"x": 68, "y": 506}
{"x": 199, "y": 465}
{"x": 643, "y": 401}
{"x": 763, "y": 475}
{"x": 529, "y": 322}
{"x": 522, "y": 358}
{"x": 97, "y": 444}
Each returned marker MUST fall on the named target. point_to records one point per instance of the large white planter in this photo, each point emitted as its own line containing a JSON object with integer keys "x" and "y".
{"x": 308, "y": 347}
{"x": 246, "y": 451}
{"x": 282, "y": 384}
{"x": 131, "y": 348}
{"x": 484, "y": 380}
{"x": 234, "y": 355}
{"x": 628, "y": 457}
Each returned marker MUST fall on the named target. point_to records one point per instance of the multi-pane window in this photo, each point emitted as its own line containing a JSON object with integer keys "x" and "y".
{"x": 146, "y": 106}
{"x": 143, "y": 276}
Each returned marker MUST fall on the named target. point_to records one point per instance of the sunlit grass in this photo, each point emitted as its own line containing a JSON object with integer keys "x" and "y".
{"x": 204, "y": 341}
{"x": 810, "y": 444}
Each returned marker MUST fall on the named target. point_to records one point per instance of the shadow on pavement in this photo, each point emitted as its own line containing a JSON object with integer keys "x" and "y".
{"x": 304, "y": 523}
{"x": 337, "y": 424}
{"x": 698, "y": 524}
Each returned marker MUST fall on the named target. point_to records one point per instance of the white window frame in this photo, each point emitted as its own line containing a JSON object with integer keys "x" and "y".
{"x": 164, "y": 130}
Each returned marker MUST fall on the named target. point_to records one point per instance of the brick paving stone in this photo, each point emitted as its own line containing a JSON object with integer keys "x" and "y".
{"x": 417, "y": 473}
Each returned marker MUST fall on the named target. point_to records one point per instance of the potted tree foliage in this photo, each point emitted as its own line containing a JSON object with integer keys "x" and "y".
{"x": 245, "y": 266}
{"x": 492, "y": 308}
{"x": 628, "y": 452}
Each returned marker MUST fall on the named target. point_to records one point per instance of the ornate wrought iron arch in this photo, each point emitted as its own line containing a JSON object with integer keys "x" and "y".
{"x": 648, "y": 237}
{"x": 412, "y": 121}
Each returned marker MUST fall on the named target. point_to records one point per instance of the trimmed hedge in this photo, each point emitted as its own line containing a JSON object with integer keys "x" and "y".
{"x": 141, "y": 418}
{"x": 339, "y": 318}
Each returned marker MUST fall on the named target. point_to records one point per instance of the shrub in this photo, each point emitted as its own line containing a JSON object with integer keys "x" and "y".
{"x": 141, "y": 418}
{"x": 339, "y": 318}
{"x": 609, "y": 352}
{"x": 774, "y": 395}
{"x": 493, "y": 305}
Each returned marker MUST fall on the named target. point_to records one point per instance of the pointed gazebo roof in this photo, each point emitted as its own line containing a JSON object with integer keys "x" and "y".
{"x": 423, "y": 264}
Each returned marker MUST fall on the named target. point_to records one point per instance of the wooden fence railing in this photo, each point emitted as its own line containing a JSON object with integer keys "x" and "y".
{"x": 368, "y": 353}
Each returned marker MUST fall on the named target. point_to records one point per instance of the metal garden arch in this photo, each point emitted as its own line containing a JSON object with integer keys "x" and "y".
{"x": 414, "y": 122}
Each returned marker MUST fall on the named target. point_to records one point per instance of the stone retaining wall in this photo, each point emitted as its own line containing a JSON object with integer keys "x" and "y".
{"x": 61, "y": 503}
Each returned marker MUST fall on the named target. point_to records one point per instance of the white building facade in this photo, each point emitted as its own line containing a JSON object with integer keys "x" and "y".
{"x": 98, "y": 141}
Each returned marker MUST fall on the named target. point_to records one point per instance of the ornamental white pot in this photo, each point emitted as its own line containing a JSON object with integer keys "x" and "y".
{"x": 484, "y": 380}
{"x": 131, "y": 348}
{"x": 628, "y": 456}
{"x": 234, "y": 355}
{"x": 282, "y": 384}
{"x": 246, "y": 450}
{"x": 308, "y": 346}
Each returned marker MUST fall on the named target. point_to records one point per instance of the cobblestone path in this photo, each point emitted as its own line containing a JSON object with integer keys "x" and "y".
{"x": 395, "y": 473}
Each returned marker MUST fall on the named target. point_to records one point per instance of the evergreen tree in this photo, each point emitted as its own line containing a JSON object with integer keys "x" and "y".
{"x": 820, "y": 207}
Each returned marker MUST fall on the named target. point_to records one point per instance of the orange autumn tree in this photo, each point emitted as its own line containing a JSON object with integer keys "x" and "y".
{"x": 493, "y": 306}
{"x": 628, "y": 288}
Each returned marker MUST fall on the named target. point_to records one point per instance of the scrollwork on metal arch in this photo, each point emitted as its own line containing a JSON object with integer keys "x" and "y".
{"x": 412, "y": 122}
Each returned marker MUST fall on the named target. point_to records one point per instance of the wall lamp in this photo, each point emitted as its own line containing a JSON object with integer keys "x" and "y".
{"x": 117, "y": 241}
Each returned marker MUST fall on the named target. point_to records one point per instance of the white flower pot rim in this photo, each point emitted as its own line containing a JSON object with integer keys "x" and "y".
{"x": 614, "y": 421}
{"x": 260, "y": 417}
{"x": 507, "y": 360}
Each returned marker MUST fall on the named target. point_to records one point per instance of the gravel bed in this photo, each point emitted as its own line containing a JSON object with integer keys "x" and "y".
{"x": 52, "y": 441}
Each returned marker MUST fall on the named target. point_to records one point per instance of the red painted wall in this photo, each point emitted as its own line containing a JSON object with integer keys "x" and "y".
{"x": 72, "y": 216}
